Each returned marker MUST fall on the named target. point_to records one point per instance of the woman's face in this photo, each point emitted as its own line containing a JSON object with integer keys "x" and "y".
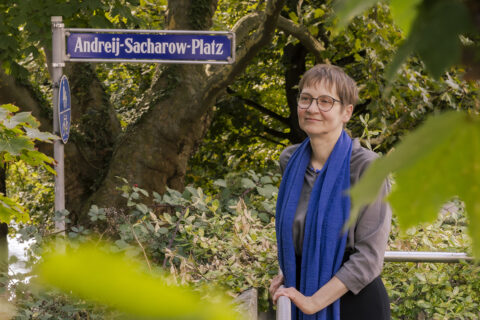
{"x": 316, "y": 122}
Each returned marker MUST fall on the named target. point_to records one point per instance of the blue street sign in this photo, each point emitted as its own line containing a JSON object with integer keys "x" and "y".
{"x": 64, "y": 110}
{"x": 151, "y": 47}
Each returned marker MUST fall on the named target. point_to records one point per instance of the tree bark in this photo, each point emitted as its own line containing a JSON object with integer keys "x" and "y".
{"x": 294, "y": 59}
{"x": 154, "y": 152}
{"x": 93, "y": 133}
{"x": 3, "y": 235}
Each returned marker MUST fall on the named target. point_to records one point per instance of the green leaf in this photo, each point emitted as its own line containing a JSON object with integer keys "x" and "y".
{"x": 10, "y": 209}
{"x": 110, "y": 279}
{"x": 34, "y": 133}
{"x": 404, "y": 13}
{"x": 9, "y": 107}
{"x": 438, "y": 31}
{"x": 15, "y": 145}
{"x": 20, "y": 118}
{"x": 220, "y": 183}
{"x": 435, "y": 37}
{"x": 36, "y": 158}
{"x": 346, "y": 10}
{"x": 247, "y": 183}
{"x": 433, "y": 164}
{"x": 142, "y": 208}
{"x": 318, "y": 13}
{"x": 267, "y": 191}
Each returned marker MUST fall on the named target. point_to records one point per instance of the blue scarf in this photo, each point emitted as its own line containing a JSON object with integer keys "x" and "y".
{"x": 328, "y": 210}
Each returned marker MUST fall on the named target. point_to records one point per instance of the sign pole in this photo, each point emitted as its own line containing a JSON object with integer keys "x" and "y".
{"x": 119, "y": 45}
{"x": 58, "y": 49}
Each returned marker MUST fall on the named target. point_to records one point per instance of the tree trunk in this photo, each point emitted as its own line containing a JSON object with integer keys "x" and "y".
{"x": 154, "y": 151}
{"x": 294, "y": 59}
{"x": 3, "y": 237}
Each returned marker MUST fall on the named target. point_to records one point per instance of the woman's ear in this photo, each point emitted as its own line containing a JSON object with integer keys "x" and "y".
{"x": 347, "y": 113}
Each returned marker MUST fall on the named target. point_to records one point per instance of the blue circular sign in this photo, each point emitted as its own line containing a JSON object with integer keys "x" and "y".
{"x": 64, "y": 110}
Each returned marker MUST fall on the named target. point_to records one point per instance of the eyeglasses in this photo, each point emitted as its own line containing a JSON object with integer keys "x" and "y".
{"x": 325, "y": 103}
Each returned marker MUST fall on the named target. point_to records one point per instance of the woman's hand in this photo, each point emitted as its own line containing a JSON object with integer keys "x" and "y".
{"x": 277, "y": 281}
{"x": 306, "y": 304}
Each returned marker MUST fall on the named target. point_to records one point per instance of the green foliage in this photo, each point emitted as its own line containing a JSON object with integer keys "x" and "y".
{"x": 433, "y": 290}
{"x": 404, "y": 13}
{"x": 450, "y": 142}
{"x": 33, "y": 188}
{"x": 34, "y": 303}
{"x": 26, "y": 26}
{"x": 91, "y": 273}
{"x": 225, "y": 236}
{"x": 221, "y": 229}
{"x": 435, "y": 37}
{"x": 348, "y": 9}
{"x": 433, "y": 29}
{"x": 18, "y": 132}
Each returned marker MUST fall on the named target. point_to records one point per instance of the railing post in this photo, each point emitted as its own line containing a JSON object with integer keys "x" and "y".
{"x": 284, "y": 308}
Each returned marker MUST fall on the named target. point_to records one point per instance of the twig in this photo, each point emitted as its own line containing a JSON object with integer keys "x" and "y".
{"x": 54, "y": 233}
{"x": 143, "y": 249}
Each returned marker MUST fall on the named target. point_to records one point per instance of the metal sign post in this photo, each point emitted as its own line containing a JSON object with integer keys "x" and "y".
{"x": 58, "y": 45}
{"x": 119, "y": 45}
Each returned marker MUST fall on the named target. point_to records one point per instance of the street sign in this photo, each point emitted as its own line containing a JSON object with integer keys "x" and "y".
{"x": 121, "y": 45}
{"x": 64, "y": 110}
{"x": 167, "y": 46}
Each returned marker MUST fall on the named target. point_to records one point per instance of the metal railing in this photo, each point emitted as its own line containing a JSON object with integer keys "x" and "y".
{"x": 419, "y": 256}
{"x": 284, "y": 305}
{"x": 284, "y": 308}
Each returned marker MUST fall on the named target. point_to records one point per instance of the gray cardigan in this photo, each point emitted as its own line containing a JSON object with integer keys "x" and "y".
{"x": 367, "y": 239}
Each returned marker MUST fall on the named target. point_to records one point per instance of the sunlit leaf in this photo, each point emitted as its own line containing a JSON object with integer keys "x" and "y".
{"x": 10, "y": 107}
{"x": 435, "y": 163}
{"x": 21, "y": 117}
{"x": 15, "y": 145}
{"x": 106, "y": 278}
{"x": 10, "y": 209}
{"x": 34, "y": 133}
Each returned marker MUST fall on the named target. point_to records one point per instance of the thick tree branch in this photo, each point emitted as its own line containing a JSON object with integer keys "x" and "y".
{"x": 247, "y": 49}
{"x": 259, "y": 107}
{"x": 246, "y": 25}
{"x": 267, "y": 139}
{"x": 25, "y": 98}
{"x": 303, "y": 35}
{"x": 275, "y": 133}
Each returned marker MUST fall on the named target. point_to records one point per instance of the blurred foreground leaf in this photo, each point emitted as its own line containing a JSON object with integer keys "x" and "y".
{"x": 433, "y": 164}
{"x": 109, "y": 279}
{"x": 432, "y": 28}
{"x": 346, "y": 10}
{"x": 435, "y": 37}
{"x": 404, "y": 13}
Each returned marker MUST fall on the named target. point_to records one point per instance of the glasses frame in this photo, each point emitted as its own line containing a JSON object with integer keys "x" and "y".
{"x": 316, "y": 100}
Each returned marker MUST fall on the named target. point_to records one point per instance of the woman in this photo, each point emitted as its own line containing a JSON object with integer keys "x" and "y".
{"x": 328, "y": 273}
